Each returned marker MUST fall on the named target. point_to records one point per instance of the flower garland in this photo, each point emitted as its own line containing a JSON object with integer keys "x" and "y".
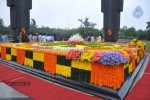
{"x": 133, "y": 63}
{"x": 38, "y": 56}
{"x": 137, "y": 43}
{"x": 63, "y": 70}
{"x": 20, "y": 56}
{"x": 104, "y": 75}
{"x": 50, "y": 62}
{"x": 86, "y": 65}
{"x": 13, "y": 51}
{"x": 131, "y": 54}
{"x": 125, "y": 54}
{"x": 28, "y": 62}
{"x": 0, "y": 49}
{"x": 141, "y": 48}
{"x": 8, "y": 57}
{"x": 3, "y": 52}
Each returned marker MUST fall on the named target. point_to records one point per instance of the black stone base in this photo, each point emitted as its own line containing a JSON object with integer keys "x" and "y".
{"x": 102, "y": 92}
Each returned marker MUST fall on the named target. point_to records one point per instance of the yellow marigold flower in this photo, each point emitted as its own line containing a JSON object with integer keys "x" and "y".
{"x": 87, "y": 55}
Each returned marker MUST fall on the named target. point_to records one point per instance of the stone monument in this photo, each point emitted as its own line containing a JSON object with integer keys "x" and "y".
{"x": 19, "y": 16}
{"x": 111, "y": 10}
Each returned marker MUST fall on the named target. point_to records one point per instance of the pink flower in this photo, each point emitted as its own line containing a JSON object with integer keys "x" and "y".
{"x": 72, "y": 54}
{"x": 75, "y": 42}
{"x": 97, "y": 56}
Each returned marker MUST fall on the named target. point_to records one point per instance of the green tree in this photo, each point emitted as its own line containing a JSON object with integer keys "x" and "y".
{"x": 1, "y": 22}
{"x": 148, "y": 25}
{"x": 121, "y": 32}
{"x": 148, "y": 34}
{"x": 141, "y": 34}
{"x": 148, "y": 31}
{"x": 33, "y": 26}
{"x": 1, "y": 25}
{"x": 130, "y": 33}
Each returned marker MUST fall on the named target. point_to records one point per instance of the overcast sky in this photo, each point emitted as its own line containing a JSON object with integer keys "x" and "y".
{"x": 65, "y": 13}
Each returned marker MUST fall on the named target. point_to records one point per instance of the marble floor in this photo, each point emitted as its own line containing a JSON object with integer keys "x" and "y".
{"x": 8, "y": 93}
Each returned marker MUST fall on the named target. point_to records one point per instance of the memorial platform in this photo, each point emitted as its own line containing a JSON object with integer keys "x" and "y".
{"x": 27, "y": 86}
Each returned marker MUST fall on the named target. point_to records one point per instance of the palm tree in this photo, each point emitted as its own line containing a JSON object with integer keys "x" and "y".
{"x": 148, "y": 25}
{"x": 1, "y": 25}
{"x": 1, "y": 22}
{"x": 86, "y": 23}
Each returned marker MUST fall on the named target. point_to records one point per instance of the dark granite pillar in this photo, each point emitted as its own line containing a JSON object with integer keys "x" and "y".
{"x": 111, "y": 10}
{"x": 19, "y": 15}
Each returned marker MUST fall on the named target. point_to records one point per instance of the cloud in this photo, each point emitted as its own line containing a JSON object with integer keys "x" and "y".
{"x": 65, "y": 13}
{"x": 59, "y": 13}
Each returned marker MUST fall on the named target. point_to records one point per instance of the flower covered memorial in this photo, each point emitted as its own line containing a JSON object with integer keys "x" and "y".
{"x": 101, "y": 64}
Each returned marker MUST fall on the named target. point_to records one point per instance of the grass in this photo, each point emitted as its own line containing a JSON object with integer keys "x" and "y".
{"x": 147, "y": 46}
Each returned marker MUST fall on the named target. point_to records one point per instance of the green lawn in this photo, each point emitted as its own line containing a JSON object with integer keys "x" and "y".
{"x": 147, "y": 46}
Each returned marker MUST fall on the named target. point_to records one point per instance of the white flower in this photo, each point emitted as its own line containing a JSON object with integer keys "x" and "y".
{"x": 76, "y": 37}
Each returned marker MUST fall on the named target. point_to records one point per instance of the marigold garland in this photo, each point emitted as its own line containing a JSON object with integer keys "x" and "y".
{"x": 125, "y": 54}
{"x": 13, "y": 51}
{"x": 38, "y": 56}
{"x": 126, "y": 65}
{"x": 28, "y": 62}
{"x": 104, "y": 75}
{"x": 63, "y": 70}
{"x": 8, "y": 57}
{"x": 86, "y": 65}
{"x": 133, "y": 63}
{"x": 139, "y": 58}
{"x": 130, "y": 67}
{"x": 3, "y": 52}
{"x": 20, "y": 56}
{"x": 50, "y": 62}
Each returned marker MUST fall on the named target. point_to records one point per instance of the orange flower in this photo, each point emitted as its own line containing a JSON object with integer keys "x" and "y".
{"x": 50, "y": 62}
{"x": 109, "y": 32}
{"x": 20, "y": 56}
{"x": 104, "y": 75}
{"x": 3, "y": 52}
{"x": 23, "y": 30}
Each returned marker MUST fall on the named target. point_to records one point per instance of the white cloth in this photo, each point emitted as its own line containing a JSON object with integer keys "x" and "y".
{"x": 48, "y": 38}
{"x": 40, "y": 38}
{"x": 30, "y": 38}
{"x": 4, "y": 38}
{"x": 34, "y": 38}
{"x": 99, "y": 39}
{"x": 92, "y": 39}
{"x": 52, "y": 38}
{"x": 43, "y": 38}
